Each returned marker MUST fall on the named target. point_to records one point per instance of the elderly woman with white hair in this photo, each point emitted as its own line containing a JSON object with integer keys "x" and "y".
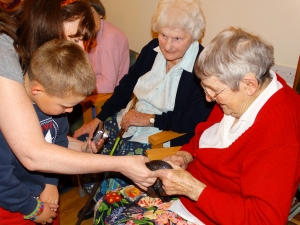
{"x": 242, "y": 165}
{"x": 168, "y": 92}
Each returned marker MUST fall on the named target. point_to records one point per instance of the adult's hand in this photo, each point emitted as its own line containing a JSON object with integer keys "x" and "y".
{"x": 134, "y": 168}
{"x": 135, "y": 118}
{"x": 47, "y": 215}
{"x": 88, "y": 128}
{"x": 178, "y": 181}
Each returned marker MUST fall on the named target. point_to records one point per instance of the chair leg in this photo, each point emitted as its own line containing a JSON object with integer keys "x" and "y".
{"x": 294, "y": 212}
{"x": 90, "y": 199}
{"x": 80, "y": 187}
{"x": 295, "y": 209}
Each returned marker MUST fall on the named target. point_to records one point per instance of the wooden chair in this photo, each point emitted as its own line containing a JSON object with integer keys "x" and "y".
{"x": 157, "y": 140}
{"x": 89, "y": 102}
{"x": 296, "y": 85}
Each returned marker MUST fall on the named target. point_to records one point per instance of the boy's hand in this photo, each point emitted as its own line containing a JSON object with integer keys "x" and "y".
{"x": 48, "y": 214}
{"x": 91, "y": 147}
{"x": 87, "y": 146}
{"x": 50, "y": 195}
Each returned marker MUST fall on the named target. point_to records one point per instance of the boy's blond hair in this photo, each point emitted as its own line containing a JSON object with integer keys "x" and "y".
{"x": 63, "y": 68}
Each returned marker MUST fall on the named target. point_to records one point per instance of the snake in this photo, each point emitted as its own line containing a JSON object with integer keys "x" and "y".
{"x": 156, "y": 190}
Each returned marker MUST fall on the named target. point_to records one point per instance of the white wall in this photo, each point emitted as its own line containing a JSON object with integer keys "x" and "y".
{"x": 277, "y": 21}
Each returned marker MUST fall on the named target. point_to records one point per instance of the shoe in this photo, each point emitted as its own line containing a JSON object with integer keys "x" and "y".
{"x": 90, "y": 211}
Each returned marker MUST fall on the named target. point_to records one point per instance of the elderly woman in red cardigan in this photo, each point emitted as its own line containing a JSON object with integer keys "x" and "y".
{"x": 243, "y": 164}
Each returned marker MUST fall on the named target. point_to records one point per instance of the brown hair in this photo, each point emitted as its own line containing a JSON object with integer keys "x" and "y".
{"x": 80, "y": 10}
{"x": 63, "y": 68}
{"x": 9, "y": 22}
{"x": 42, "y": 21}
{"x": 97, "y": 5}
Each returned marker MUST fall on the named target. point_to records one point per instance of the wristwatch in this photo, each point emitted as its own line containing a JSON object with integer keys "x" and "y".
{"x": 152, "y": 120}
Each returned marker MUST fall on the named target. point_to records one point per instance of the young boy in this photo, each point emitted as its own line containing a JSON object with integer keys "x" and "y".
{"x": 59, "y": 77}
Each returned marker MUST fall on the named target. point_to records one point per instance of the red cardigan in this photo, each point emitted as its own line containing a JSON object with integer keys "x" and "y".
{"x": 254, "y": 180}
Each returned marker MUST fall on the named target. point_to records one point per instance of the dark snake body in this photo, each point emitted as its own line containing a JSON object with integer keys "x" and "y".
{"x": 156, "y": 189}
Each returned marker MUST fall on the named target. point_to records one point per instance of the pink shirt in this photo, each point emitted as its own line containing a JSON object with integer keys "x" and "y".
{"x": 110, "y": 57}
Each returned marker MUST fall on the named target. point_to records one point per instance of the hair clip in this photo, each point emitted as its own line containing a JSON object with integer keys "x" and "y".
{"x": 66, "y": 2}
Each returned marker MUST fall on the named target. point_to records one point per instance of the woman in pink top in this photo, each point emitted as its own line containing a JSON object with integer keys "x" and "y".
{"x": 110, "y": 54}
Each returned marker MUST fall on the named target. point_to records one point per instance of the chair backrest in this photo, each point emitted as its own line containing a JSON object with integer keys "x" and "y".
{"x": 296, "y": 85}
{"x": 133, "y": 55}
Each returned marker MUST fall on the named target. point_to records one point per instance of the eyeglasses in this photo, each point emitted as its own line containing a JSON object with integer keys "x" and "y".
{"x": 213, "y": 98}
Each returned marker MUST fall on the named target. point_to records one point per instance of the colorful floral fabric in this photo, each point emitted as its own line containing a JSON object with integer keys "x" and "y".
{"x": 130, "y": 205}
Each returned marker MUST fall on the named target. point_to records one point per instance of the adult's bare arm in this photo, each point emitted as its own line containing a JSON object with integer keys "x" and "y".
{"x": 21, "y": 129}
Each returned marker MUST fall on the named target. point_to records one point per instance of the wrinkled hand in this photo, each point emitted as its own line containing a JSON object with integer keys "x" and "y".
{"x": 134, "y": 168}
{"x": 88, "y": 128}
{"x": 178, "y": 181}
{"x": 135, "y": 118}
{"x": 181, "y": 158}
{"x": 50, "y": 195}
{"x": 47, "y": 215}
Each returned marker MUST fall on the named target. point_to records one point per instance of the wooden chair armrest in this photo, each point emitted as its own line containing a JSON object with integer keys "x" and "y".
{"x": 160, "y": 153}
{"x": 94, "y": 97}
{"x": 96, "y": 100}
{"x": 99, "y": 99}
{"x": 157, "y": 140}
{"x": 86, "y": 110}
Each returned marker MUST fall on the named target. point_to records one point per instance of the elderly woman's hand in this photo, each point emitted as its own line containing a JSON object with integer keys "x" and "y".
{"x": 88, "y": 128}
{"x": 178, "y": 181}
{"x": 181, "y": 158}
{"x": 135, "y": 118}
